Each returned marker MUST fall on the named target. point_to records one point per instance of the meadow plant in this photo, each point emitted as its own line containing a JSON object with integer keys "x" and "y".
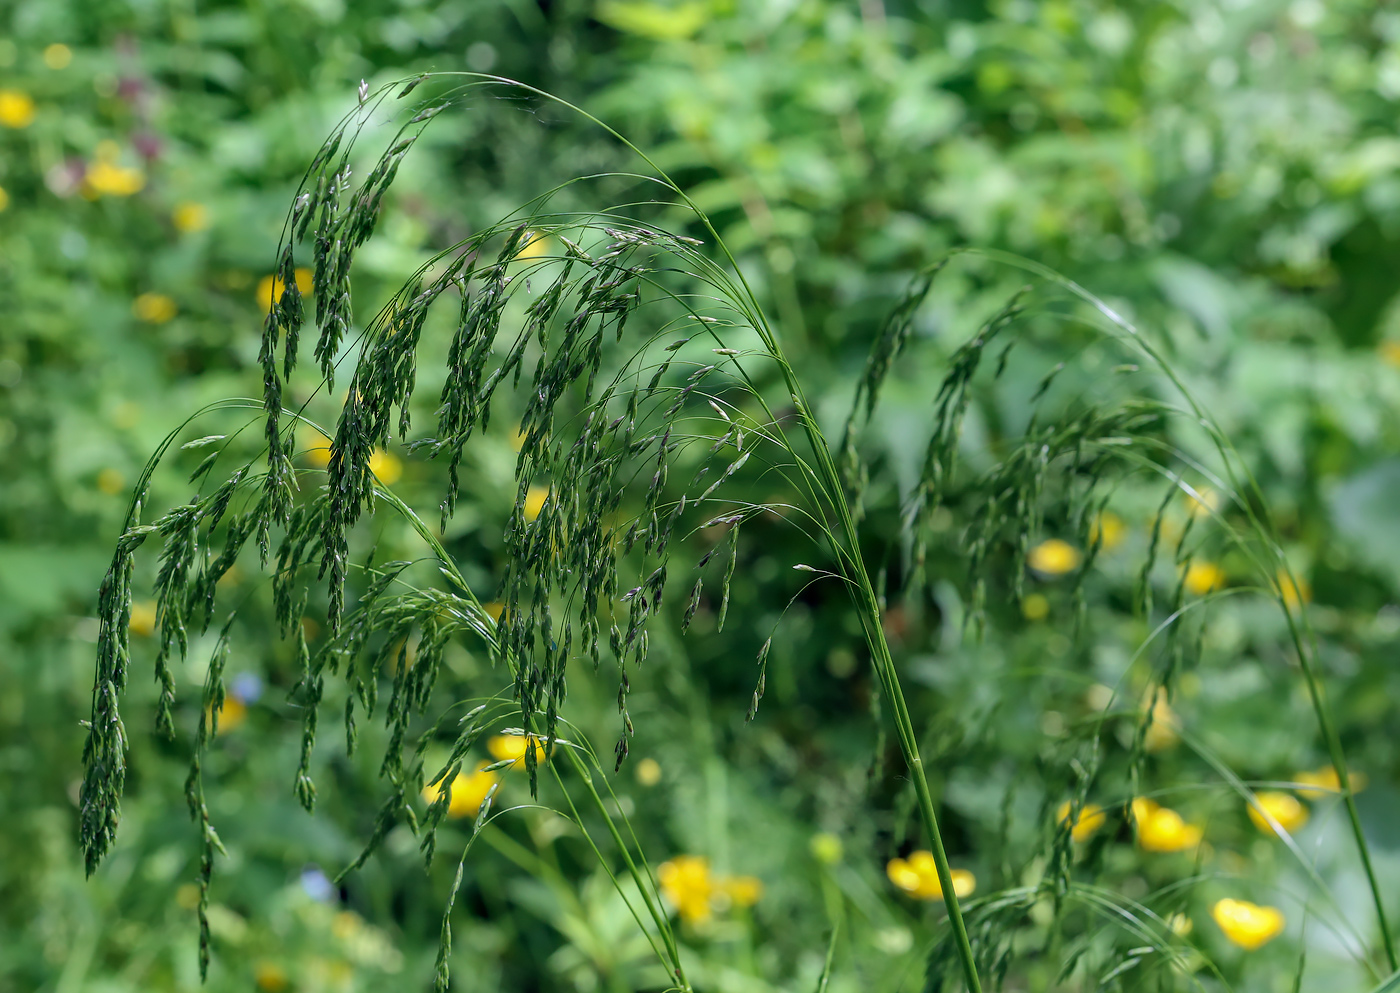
{"x": 648, "y": 385}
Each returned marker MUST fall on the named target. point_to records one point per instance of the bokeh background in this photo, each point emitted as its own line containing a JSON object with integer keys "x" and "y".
{"x": 1226, "y": 173}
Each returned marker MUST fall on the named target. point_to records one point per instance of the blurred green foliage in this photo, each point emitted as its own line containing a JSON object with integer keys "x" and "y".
{"x": 1227, "y": 174}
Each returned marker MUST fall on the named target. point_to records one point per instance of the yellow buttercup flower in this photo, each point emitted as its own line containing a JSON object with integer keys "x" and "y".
{"x": 1053, "y": 557}
{"x": 16, "y": 109}
{"x": 1203, "y": 577}
{"x": 190, "y": 216}
{"x": 512, "y": 746}
{"x": 1295, "y": 592}
{"x": 1326, "y": 781}
{"x": 536, "y": 245}
{"x": 4, "y": 199}
{"x": 686, "y": 884}
{"x": 1161, "y": 829}
{"x": 918, "y": 876}
{"x": 468, "y": 792}
{"x": 1109, "y": 530}
{"x": 742, "y": 891}
{"x": 535, "y": 498}
{"x": 105, "y": 177}
{"x": 270, "y": 288}
{"x": 1390, "y": 352}
{"x": 154, "y": 308}
{"x": 1282, "y": 807}
{"x": 1162, "y": 733}
{"x": 386, "y": 466}
{"x": 1086, "y": 825}
{"x": 270, "y": 977}
{"x": 232, "y": 714}
{"x": 1247, "y": 924}
{"x": 1205, "y": 503}
{"x": 318, "y": 448}
{"x": 1035, "y": 607}
{"x": 143, "y": 618}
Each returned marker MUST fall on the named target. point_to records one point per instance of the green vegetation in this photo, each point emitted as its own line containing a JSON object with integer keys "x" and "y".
{"x": 1116, "y": 563}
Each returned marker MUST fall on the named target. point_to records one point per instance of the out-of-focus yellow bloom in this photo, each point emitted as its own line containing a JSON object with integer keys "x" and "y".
{"x": 1205, "y": 503}
{"x": 318, "y": 448}
{"x": 918, "y": 876}
{"x": 57, "y": 56}
{"x": 536, "y": 245}
{"x": 1203, "y": 577}
{"x": 143, "y": 618}
{"x": 517, "y": 439}
{"x": 648, "y": 772}
{"x": 1087, "y": 824}
{"x": 105, "y": 177}
{"x": 512, "y": 746}
{"x": 346, "y": 925}
{"x": 1179, "y": 925}
{"x": 1326, "y": 781}
{"x": 154, "y": 308}
{"x": 16, "y": 109}
{"x": 1161, "y": 829}
{"x": 1247, "y": 924}
{"x": 686, "y": 884}
{"x": 534, "y": 501}
{"x": 1162, "y": 733}
{"x": 270, "y": 977}
{"x": 1053, "y": 557}
{"x": 495, "y": 608}
{"x": 1035, "y": 607}
{"x": 1109, "y": 530}
{"x": 826, "y": 848}
{"x": 190, "y": 216}
{"x": 386, "y": 466}
{"x": 742, "y": 891}
{"x": 1295, "y": 592}
{"x": 1282, "y": 807}
{"x": 110, "y": 481}
{"x": 231, "y": 715}
{"x": 270, "y": 288}
{"x": 468, "y": 792}
{"x": 4, "y": 199}
{"x": 1390, "y": 352}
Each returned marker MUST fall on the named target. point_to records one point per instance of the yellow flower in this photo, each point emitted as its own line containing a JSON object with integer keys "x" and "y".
{"x": 742, "y": 891}
{"x": 1295, "y": 592}
{"x": 1109, "y": 530}
{"x": 1161, "y": 829}
{"x": 1053, "y": 557}
{"x": 1202, "y": 577}
{"x": 1390, "y": 352}
{"x": 110, "y": 481}
{"x": 270, "y": 288}
{"x": 534, "y": 501}
{"x": 468, "y": 792}
{"x": 648, "y": 772}
{"x": 4, "y": 199}
{"x": 386, "y": 466}
{"x": 686, "y": 884}
{"x": 1086, "y": 825}
{"x": 154, "y": 308}
{"x": 106, "y": 178}
{"x": 495, "y": 608}
{"x": 1034, "y": 607}
{"x": 1282, "y": 807}
{"x": 536, "y": 244}
{"x": 1247, "y": 924}
{"x": 918, "y": 876}
{"x": 1162, "y": 733}
{"x": 57, "y": 56}
{"x": 1179, "y": 925}
{"x": 318, "y": 448}
{"x": 1326, "y": 781}
{"x": 232, "y": 714}
{"x": 1204, "y": 503}
{"x": 270, "y": 977}
{"x": 190, "y": 216}
{"x": 16, "y": 109}
{"x": 143, "y": 618}
{"x": 512, "y": 746}
{"x": 826, "y": 848}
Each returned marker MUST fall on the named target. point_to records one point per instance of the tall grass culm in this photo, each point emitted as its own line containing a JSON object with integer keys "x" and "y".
{"x": 649, "y": 384}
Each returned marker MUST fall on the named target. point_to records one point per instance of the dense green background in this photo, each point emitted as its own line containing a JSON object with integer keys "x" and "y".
{"x": 1228, "y": 174}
